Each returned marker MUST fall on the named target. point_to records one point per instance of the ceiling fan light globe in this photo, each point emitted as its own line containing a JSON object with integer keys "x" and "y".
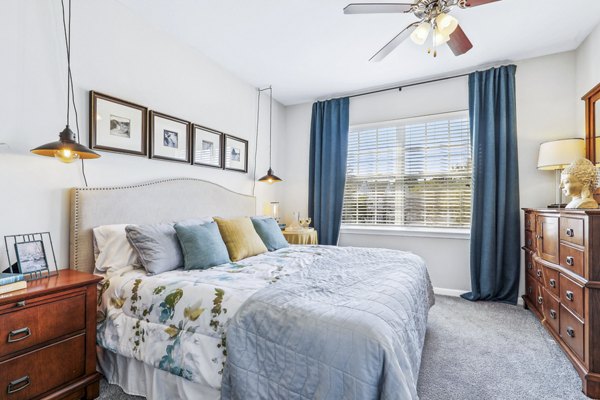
{"x": 420, "y": 35}
{"x": 446, "y": 24}
{"x": 440, "y": 38}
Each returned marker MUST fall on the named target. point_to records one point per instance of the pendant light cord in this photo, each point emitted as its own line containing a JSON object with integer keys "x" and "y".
{"x": 70, "y": 86}
{"x": 256, "y": 142}
{"x": 270, "y": 125}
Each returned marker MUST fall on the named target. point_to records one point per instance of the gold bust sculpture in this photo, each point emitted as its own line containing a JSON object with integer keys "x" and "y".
{"x": 579, "y": 181}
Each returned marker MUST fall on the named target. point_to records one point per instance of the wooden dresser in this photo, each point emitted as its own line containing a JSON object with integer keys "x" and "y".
{"x": 562, "y": 284}
{"x": 48, "y": 339}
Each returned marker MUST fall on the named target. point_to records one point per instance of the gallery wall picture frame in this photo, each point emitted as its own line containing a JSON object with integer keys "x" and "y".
{"x": 235, "y": 154}
{"x": 118, "y": 125}
{"x": 207, "y": 147}
{"x": 170, "y": 138}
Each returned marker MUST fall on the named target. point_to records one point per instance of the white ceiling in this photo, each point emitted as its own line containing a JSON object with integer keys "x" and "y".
{"x": 308, "y": 49}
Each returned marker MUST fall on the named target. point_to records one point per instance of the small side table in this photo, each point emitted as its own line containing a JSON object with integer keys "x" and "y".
{"x": 304, "y": 236}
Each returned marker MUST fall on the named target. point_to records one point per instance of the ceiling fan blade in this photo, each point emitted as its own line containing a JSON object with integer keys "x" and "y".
{"x": 459, "y": 43}
{"x": 475, "y": 3}
{"x": 395, "y": 42}
{"x": 377, "y": 8}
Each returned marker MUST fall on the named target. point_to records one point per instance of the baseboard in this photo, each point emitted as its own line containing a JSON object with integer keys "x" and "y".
{"x": 457, "y": 293}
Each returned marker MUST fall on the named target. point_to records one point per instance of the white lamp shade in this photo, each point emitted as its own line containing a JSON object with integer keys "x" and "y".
{"x": 446, "y": 24}
{"x": 558, "y": 154}
{"x": 440, "y": 38}
{"x": 419, "y": 35}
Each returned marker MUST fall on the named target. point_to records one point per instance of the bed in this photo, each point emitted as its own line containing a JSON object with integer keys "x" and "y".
{"x": 301, "y": 322}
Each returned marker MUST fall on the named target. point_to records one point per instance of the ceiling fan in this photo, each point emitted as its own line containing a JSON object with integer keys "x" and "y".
{"x": 433, "y": 17}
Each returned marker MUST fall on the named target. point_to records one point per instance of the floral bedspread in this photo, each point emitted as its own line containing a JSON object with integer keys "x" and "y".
{"x": 176, "y": 321}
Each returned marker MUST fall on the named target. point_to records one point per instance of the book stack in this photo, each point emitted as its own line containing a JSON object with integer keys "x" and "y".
{"x": 12, "y": 282}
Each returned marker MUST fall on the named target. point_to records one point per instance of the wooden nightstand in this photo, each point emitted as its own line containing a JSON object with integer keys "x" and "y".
{"x": 48, "y": 339}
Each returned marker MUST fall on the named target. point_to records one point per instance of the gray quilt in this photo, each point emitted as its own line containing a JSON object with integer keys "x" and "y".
{"x": 351, "y": 325}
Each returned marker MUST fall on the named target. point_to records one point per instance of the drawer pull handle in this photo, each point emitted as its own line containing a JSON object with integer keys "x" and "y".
{"x": 552, "y": 314}
{"x": 570, "y": 332}
{"x": 23, "y": 333}
{"x": 529, "y": 266}
{"x": 539, "y": 273}
{"x": 570, "y": 261}
{"x": 20, "y": 303}
{"x": 539, "y": 237}
{"x": 570, "y": 295}
{"x": 18, "y": 384}
{"x": 540, "y": 300}
{"x": 528, "y": 242}
{"x": 570, "y": 232}
{"x": 552, "y": 283}
{"x": 530, "y": 290}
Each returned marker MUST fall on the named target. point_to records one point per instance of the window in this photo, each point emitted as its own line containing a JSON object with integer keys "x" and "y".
{"x": 411, "y": 173}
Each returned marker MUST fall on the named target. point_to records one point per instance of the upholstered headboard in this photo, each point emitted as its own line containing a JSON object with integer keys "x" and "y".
{"x": 146, "y": 203}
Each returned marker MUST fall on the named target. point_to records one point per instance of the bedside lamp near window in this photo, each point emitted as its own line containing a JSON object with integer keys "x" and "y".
{"x": 556, "y": 156}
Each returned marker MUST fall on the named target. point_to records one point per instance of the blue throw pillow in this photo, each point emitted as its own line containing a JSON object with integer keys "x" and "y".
{"x": 202, "y": 246}
{"x": 270, "y": 233}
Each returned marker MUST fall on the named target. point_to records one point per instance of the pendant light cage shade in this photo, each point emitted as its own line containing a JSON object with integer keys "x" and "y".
{"x": 270, "y": 177}
{"x": 66, "y": 149}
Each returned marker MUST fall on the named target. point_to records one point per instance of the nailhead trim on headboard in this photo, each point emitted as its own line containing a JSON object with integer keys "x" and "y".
{"x": 74, "y": 236}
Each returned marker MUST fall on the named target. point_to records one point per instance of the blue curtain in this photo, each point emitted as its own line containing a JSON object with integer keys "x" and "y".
{"x": 495, "y": 224}
{"x": 327, "y": 171}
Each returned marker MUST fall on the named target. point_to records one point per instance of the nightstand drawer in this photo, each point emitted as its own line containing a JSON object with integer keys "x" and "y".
{"x": 34, "y": 373}
{"x": 30, "y": 326}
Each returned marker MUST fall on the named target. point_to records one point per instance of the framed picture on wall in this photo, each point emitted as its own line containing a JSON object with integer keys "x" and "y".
{"x": 235, "y": 153}
{"x": 207, "y": 147}
{"x": 169, "y": 138}
{"x": 117, "y": 125}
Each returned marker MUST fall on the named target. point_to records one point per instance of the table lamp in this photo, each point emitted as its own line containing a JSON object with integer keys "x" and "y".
{"x": 556, "y": 156}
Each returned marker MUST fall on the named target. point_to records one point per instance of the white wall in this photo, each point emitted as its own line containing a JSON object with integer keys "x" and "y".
{"x": 545, "y": 92}
{"x": 113, "y": 52}
{"x": 588, "y": 73}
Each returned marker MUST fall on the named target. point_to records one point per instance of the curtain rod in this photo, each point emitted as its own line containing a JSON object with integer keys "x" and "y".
{"x": 409, "y": 85}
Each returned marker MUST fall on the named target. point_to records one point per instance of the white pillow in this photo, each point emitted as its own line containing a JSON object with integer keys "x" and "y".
{"x": 112, "y": 250}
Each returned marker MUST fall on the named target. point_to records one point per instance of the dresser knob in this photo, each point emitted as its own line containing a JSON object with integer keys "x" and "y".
{"x": 552, "y": 314}
{"x": 530, "y": 290}
{"x": 18, "y": 384}
{"x": 570, "y": 332}
{"x": 539, "y": 273}
{"x": 540, "y": 299}
{"x": 539, "y": 237}
{"x": 570, "y": 261}
{"x": 570, "y": 232}
{"x": 570, "y": 296}
{"x": 528, "y": 242}
{"x": 20, "y": 334}
{"x": 529, "y": 266}
{"x": 20, "y": 303}
{"x": 552, "y": 283}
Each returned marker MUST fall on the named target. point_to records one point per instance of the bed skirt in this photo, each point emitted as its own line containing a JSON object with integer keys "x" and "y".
{"x": 139, "y": 379}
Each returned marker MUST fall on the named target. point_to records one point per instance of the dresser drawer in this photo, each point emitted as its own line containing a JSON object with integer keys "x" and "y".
{"x": 529, "y": 221}
{"x": 34, "y": 373}
{"x": 529, "y": 263}
{"x": 571, "y": 295}
{"x": 531, "y": 288}
{"x": 571, "y": 259}
{"x": 571, "y": 230}
{"x": 571, "y": 331}
{"x": 551, "y": 281}
{"x": 551, "y": 311}
{"x": 530, "y": 240}
{"x": 26, "y": 327}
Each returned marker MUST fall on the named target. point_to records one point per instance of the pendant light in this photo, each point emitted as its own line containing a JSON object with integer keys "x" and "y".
{"x": 67, "y": 149}
{"x": 270, "y": 177}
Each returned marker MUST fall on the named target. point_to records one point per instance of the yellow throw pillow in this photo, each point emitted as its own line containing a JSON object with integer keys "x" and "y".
{"x": 240, "y": 237}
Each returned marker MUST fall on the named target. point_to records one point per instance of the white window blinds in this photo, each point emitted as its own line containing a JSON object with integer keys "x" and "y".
{"x": 412, "y": 172}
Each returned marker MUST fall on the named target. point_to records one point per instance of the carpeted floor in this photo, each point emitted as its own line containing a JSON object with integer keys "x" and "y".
{"x": 483, "y": 351}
